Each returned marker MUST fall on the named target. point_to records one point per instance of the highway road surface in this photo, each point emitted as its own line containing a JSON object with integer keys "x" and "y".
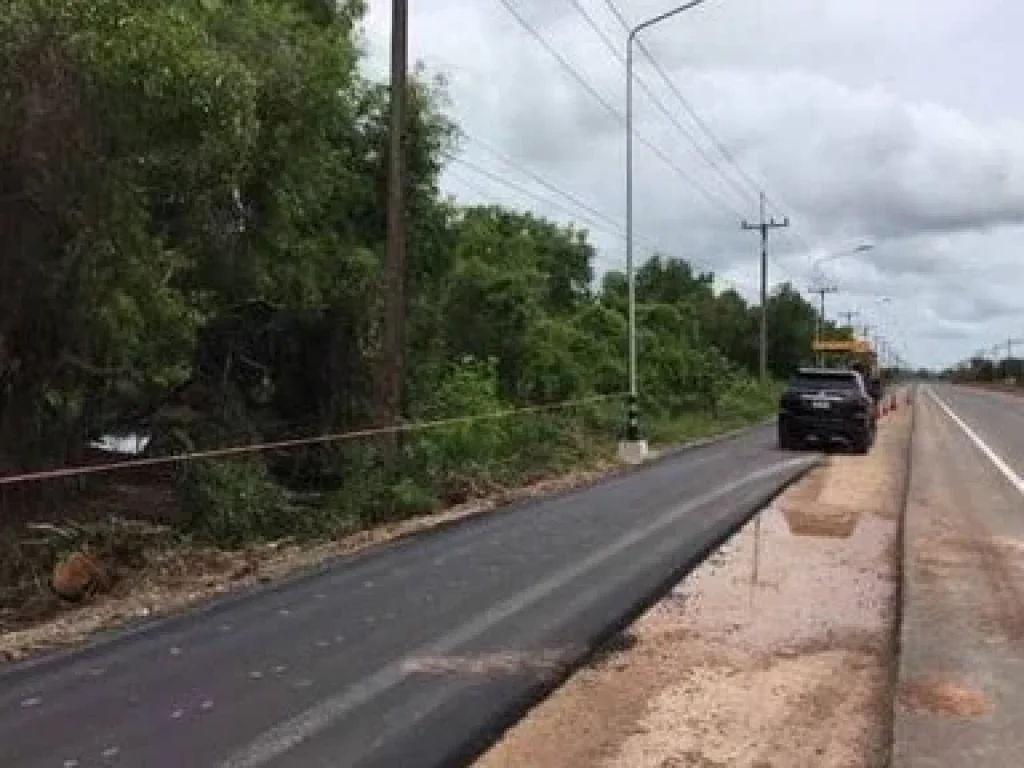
{"x": 962, "y": 643}
{"x": 415, "y": 654}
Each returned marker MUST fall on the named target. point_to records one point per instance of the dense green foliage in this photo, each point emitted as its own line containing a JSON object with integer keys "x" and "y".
{"x": 191, "y": 237}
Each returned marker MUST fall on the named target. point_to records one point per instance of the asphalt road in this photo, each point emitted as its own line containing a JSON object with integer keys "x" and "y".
{"x": 996, "y": 417}
{"x": 416, "y": 654}
{"x": 962, "y": 635}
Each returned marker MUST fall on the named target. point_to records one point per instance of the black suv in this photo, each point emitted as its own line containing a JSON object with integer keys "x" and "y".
{"x": 827, "y": 405}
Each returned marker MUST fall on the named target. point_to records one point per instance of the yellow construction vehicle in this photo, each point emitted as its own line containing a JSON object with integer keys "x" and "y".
{"x": 850, "y": 353}
{"x": 856, "y": 354}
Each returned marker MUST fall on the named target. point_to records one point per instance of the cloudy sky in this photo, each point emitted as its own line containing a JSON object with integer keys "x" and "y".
{"x": 899, "y": 124}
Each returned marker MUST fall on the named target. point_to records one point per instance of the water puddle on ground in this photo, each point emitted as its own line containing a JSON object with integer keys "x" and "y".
{"x": 810, "y": 571}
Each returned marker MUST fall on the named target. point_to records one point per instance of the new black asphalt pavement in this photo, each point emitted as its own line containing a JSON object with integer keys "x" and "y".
{"x": 415, "y": 654}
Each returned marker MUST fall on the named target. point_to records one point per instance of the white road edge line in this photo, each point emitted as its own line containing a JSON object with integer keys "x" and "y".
{"x": 1001, "y": 465}
{"x": 286, "y": 736}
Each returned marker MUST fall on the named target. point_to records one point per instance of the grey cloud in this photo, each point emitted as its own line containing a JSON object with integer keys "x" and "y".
{"x": 872, "y": 120}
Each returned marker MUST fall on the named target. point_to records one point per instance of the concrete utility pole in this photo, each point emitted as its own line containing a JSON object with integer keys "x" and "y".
{"x": 634, "y": 449}
{"x": 392, "y": 363}
{"x": 819, "y": 326}
{"x": 763, "y": 226}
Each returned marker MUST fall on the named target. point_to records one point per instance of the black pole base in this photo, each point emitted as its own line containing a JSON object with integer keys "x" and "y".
{"x": 632, "y": 420}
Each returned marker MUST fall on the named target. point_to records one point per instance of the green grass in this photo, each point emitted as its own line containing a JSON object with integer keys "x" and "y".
{"x": 698, "y": 426}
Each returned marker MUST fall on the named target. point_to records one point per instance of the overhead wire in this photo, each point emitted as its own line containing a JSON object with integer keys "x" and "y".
{"x": 708, "y": 195}
{"x": 773, "y": 200}
{"x": 658, "y": 103}
{"x": 605, "y": 223}
{"x": 537, "y": 178}
{"x": 618, "y": 229}
{"x": 607, "y": 226}
{"x": 726, "y": 153}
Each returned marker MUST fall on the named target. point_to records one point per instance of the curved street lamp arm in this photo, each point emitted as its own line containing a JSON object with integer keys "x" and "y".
{"x": 661, "y": 17}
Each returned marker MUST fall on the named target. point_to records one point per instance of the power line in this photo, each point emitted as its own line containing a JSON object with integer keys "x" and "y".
{"x": 566, "y": 65}
{"x": 726, "y": 153}
{"x": 609, "y": 225}
{"x": 468, "y": 183}
{"x": 542, "y": 181}
{"x": 498, "y": 179}
{"x": 705, "y": 128}
{"x": 613, "y": 228}
{"x": 758, "y": 187}
{"x": 708, "y": 195}
{"x": 551, "y": 187}
{"x": 657, "y": 102}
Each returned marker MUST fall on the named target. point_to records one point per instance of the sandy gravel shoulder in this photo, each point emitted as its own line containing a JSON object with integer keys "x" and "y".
{"x": 782, "y": 660}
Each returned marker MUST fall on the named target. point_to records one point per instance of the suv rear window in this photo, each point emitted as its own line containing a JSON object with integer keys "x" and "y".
{"x": 843, "y": 381}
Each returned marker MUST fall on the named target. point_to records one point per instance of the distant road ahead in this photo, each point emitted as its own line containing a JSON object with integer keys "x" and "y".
{"x": 409, "y": 656}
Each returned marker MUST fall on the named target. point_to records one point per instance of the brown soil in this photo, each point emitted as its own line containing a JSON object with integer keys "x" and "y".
{"x": 787, "y": 667}
{"x": 943, "y": 698}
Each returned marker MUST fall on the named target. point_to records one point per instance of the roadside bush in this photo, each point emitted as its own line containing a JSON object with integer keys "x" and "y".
{"x": 235, "y": 501}
{"x": 469, "y": 388}
{"x": 746, "y": 399}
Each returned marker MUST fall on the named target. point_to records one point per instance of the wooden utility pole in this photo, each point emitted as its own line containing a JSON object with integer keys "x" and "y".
{"x": 819, "y": 326}
{"x": 392, "y": 353}
{"x": 763, "y": 226}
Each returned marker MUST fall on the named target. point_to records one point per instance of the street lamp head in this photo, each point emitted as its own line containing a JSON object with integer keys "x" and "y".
{"x": 864, "y": 247}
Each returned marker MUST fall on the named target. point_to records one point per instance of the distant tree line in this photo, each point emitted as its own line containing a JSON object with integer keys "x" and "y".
{"x": 1009, "y": 370}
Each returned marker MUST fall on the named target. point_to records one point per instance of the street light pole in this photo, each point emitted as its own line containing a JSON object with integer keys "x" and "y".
{"x": 632, "y": 423}
{"x": 863, "y": 247}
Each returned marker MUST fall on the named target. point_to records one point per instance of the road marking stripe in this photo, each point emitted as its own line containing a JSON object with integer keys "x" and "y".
{"x": 1001, "y": 465}
{"x": 286, "y": 736}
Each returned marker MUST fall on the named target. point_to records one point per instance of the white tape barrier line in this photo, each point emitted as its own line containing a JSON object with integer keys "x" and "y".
{"x": 1001, "y": 465}
{"x": 291, "y": 733}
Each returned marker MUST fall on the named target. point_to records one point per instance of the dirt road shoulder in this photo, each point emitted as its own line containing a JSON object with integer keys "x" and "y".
{"x": 777, "y": 651}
